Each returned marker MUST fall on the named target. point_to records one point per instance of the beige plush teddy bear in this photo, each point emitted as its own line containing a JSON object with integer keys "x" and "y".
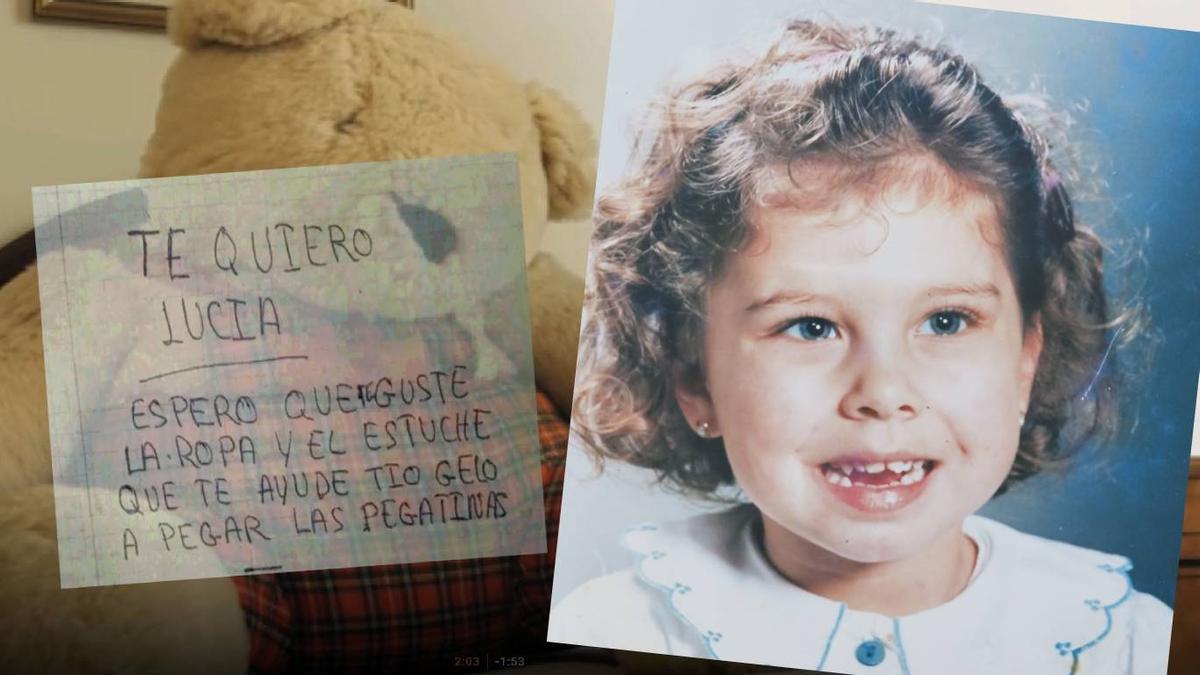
{"x": 263, "y": 84}
{"x": 284, "y": 83}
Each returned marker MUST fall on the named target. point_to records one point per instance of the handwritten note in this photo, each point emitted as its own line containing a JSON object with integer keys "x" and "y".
{"x": 289, "y": 370}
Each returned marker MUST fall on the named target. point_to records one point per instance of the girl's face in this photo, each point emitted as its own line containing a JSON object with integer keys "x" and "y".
{"x": 866, "y": 366}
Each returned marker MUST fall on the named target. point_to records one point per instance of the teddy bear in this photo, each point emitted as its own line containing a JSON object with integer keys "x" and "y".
{"x": 286, "y": 83}
{"x": 264, "y": 84}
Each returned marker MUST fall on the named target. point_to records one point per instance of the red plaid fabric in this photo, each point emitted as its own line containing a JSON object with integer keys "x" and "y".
{"x": 369, "y": 619}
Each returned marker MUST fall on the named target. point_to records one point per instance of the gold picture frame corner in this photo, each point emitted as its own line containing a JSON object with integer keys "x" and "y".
{"x": 139, "y": 14}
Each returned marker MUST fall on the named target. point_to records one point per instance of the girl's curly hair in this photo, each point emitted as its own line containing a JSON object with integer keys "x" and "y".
{"x": 859, "y": 97}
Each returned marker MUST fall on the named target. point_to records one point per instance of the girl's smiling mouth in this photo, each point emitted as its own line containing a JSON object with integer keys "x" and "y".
{"x": 877, "y": 485}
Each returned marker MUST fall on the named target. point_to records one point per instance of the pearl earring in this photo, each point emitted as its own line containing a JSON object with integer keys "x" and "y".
{"x": 1021, "y": 419}
{"x": 704, "y": 430}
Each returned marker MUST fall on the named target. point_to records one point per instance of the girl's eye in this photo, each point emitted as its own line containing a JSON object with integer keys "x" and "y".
{"x": 946, "y": 322}
{"x": 811, "y": 328}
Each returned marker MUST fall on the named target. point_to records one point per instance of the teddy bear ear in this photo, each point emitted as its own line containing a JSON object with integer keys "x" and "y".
{"x": 254, "y": 23}
{"x": 568, "y": 151}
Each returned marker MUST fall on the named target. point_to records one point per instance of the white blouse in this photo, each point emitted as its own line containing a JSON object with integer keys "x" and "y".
{"x": 704, "y": 588}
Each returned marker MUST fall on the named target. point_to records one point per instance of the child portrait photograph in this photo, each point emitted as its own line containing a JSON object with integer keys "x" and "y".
{"x": 887, "y": 362}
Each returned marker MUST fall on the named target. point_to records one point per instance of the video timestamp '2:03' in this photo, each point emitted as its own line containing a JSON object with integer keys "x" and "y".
{"x": 488, "y": 662}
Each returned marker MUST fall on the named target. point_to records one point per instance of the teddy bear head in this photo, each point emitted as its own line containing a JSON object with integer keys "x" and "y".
{"x": 264, "y": 84}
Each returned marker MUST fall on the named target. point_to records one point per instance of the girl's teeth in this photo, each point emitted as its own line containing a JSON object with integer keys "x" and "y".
{"x": 908, "y": 472}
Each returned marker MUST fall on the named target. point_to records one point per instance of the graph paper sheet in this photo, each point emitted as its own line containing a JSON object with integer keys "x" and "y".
{"x": 289, "y": 370}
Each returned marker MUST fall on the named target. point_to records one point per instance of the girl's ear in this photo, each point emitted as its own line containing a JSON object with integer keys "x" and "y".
{"x": 691, "y": 393}
{"x": 1031, "y": 352}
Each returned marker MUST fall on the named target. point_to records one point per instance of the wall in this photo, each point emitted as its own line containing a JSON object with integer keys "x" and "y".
{"x": 77, "y": 106}
{"x": 562, "y": 44}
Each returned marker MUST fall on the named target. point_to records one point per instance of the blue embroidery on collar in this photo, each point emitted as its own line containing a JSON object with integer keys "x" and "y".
{"x": 900, "y": 648}
{"x": 707, "y": 636}
{"x": 1065, "y": 648}
{"x": 829, "y": 641}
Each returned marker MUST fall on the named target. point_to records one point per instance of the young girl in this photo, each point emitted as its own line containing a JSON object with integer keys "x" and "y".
{"x": 844, "y": 277}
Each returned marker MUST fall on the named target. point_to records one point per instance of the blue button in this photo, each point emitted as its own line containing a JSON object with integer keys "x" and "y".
{"x": 870, "y": 653}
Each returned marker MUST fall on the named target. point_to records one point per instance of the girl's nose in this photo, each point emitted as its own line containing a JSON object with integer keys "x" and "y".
{"x": 879, "y": 390}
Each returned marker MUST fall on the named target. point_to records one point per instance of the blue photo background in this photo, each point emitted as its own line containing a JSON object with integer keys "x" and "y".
{"x": 1141, "y": 90}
